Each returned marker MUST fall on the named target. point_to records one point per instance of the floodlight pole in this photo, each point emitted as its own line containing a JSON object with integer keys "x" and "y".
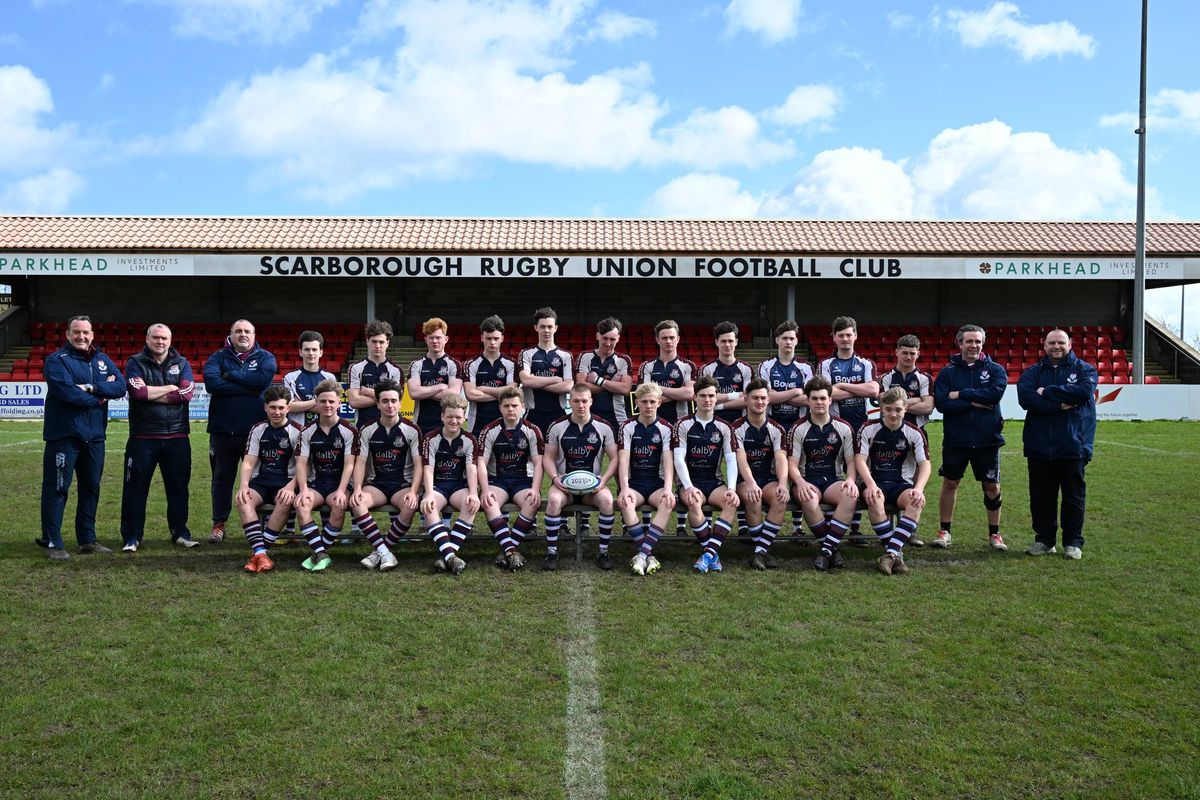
{"x": 1139, "y": 280}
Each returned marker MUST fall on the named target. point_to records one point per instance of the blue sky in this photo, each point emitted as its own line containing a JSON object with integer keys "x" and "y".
{"x": 732, "y": 108}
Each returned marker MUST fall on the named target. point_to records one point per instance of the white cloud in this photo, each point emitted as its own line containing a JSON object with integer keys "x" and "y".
{"x": 613, "y": 26}
{"x": 806, "y": 104}
{"x": 773, "y": 20}
{"x": 1001, "y": 24}
{"x": 106, "y": 82}
{"x": 982, "y": 171}
{"x": 473, "y": 80}
{"x": 267, "y": 21}
{"x": 899, "y": 22}
{"x": 48, "y": 193}
{"x": 703, "y": 196}
{"x": 1169, "y": 109}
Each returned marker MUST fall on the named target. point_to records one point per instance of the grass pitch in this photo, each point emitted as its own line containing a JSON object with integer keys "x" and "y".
{"x": 172, "y": 674}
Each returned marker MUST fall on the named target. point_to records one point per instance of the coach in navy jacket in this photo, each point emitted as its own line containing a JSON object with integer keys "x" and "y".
{"x": 80, "y": 380}
{"x": 1058, "y": 394}
{"x": 235, "y": 377}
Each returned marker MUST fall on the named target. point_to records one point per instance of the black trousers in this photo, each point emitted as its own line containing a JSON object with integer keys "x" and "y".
{"x": 173, "y": 457}
{"x": 1048, "y": 478}
{"x": 224, "y": 454}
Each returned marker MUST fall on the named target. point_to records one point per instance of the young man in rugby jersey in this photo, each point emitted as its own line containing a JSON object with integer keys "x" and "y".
{"x": 893, "y": 465}
{"x": 762, "y": 472}
{"x": 785, "y": 378}
{"x": 388, "y": 470}
{"x": 487, "y": 375}
{"x": 607, "y": 373}
{"x": 268, "y": 475}
{"x": 301, "y": 382}
{"x": 509, "y": 463}
{"x": 701, "y": 443}
{"x": 545, "y": 372}
{"x": 372, "y": 369}
{"x": 918, "y": 386}
{"x": 854, "y": 382}
{"x": 676, "y": 376}
{"x": 731, "y": 374}
{"x": 434, "y": 377}
{"x": 452, "y": 482}
{"x": 579, "y": 441}
{"x": 821, "y": 463}
{"x": 324, "y": 466}
{"x": 645, "y": 474}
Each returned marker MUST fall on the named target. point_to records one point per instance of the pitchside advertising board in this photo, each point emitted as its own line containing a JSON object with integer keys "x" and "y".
{"x": 28, "y": 401}
{"x": 797, "y": 266}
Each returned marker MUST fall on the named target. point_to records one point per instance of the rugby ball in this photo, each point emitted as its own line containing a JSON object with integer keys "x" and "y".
{"x": 580, "y": 481}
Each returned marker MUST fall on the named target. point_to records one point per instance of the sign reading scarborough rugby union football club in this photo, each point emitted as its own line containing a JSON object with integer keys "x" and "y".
{"x": 613, "y": 267}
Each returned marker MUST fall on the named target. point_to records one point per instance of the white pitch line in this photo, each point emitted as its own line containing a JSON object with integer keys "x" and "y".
{"x": 584, "y": 762}
{"x": 19, "y": 444}
{"x": 1175, "y": 453}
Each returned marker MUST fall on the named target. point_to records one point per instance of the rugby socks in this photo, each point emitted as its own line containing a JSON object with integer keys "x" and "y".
{"x": 329, "y": 534}
{"x": 905, "y": 528}
{"x": 741, "y": 521}
{"x": 945, "y": 526}
{"x": 500, "y": 530}
{"x": 681, "y": 523}
{"x": 441, "y": 539}
{"x": 702, "y": 532}
{"x": 835, "y": 531}
{"x": 993, "y": 530}
{"x": 312, "y": 534}
{"x": 459, "y": 534}
{"x": 653, "y": 534}
{"x": 636, "y": 532}
{"x": 397, "y": 531}
{"x": 604, "y": 530}
{"x": 882, "y": 529}
{"x": 291, "y": 522}
{"x": 553, "y": 526}
{"x": 270, "y": 537}
{"x": 254, "y": 535}
{"x": 856, "y": 522}
{"x": 646, "y": 517}
{"x": 797, "y": 521}
{"x": 521, "y": 529}
{"x": 369, "y": 529}
{"x": 720, "y": 530}
{"x": 765, "y": 537}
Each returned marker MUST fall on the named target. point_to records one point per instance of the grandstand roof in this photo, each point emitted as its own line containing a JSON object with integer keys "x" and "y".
{"x": 429, "y": 234}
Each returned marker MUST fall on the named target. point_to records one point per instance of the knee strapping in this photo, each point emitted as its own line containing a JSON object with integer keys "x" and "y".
{"x": 993, "y": 503}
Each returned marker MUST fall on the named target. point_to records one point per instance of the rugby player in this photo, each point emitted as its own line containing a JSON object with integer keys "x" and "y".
{"x": 268, "y": 475}
{"x": 785, "y": 378}
{"x": 388, "y": 470}
{"x": 645, "y": 474}
{"x": 509, "y": 463}
{"x": 762, "y": 471}
{"x": 579, "y": 441}
{"x": 822, "y": 466}
{"x": 918, "y": 386}
{"x": 451, "y": 482}
{"x": 545, "y": 372}
{"x": 608, "y": 374}
{"x": 434, "y": 377}
{"x": 732, "y": 375}
{"x": 324, "y": 466}
{"x": 301, "y": 382}
{"x": 701, "y": 443}
{"x": 968, "y": 391}
{"x": 893, "y": 465}
{"x": 676, "y": 376}
{"x": 372, "y": 369}
{"x": 487, "y": 375}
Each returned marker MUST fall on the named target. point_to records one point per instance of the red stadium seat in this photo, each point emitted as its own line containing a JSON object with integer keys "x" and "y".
{"x": 1153, "y": 379}
{"x": 1121, "y": 379}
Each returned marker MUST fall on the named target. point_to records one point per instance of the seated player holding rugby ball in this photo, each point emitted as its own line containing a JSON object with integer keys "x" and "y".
{"x": 645, "y": 473}
{"x": 268, "y": 475}
{"x": 893, "y": 465}
{"x": 451, "y": 479}
{"x": 324, "y": 466}
{"x": 579, "y": 441}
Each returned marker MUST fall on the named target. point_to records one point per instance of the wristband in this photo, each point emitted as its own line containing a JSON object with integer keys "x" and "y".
{"x": 599, "y": 381}
{"x": 733, "y": 395}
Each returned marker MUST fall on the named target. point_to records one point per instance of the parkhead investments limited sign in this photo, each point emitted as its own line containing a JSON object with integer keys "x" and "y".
{"x": 609, "y": 267}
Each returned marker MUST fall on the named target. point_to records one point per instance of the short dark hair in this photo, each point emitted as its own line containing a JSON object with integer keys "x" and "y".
{"x": 377, "y": 327}
{"x": 706, "y": 382}
{"x": 545, "y": 312}
{"x": 609, "y": 324}
{"x": 756, "y": 384}
{"x": 722, "y": 328}
{"x": 666, "y": 323}
{"x": 276, "y": 391}
{"x": 841, "y": 323}
{"x": 310, "y": 336}
{"x": 958, "y": 337}
{"x": 491, "y": 324}
{"x": 388, "y": 385}
{"x": 79, "y": 318}
{"x": 908, "y": 340}
{"x": 818, "y": 383}
{"x": 785, "y": 326}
